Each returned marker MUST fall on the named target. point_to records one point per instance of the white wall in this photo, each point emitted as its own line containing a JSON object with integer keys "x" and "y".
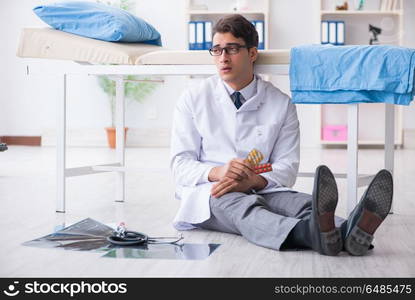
{"x": 291, "y": 26}
{"x": 27, "y": 104}
{"x": 409, "y": 41}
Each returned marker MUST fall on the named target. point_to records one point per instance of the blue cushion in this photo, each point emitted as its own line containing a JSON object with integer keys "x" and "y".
{"x": 98, "y": 21}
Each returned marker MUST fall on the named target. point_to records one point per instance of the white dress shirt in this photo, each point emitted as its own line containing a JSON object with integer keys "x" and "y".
{"x": 247, "y": 92}
{"x": 209, "y": 131}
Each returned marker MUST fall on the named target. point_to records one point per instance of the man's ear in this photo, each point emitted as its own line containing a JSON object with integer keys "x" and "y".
{"x": 253, "y": 54}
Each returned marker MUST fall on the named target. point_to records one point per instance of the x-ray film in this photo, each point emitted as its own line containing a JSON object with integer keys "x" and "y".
{"x": 185, "y": 251}
{"x": 91, "y": 235}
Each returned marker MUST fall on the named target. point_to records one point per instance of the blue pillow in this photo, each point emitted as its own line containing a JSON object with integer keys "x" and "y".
{"x": 98, "y": 21}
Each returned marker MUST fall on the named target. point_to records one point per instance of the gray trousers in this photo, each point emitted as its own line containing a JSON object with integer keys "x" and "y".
{"x": 265, "y": 220}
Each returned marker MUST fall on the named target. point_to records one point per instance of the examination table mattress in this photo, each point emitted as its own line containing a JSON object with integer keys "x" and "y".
{"x": 55, "y": 44}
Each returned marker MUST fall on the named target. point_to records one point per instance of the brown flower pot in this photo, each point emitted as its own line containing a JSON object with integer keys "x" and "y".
{"x": 112, "y": 138}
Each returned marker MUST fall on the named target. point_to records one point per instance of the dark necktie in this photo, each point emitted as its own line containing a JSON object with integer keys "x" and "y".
{"x": 236, "y": 97}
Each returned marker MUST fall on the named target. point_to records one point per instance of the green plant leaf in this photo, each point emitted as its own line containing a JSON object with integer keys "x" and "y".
{"x": 135, "y": 91}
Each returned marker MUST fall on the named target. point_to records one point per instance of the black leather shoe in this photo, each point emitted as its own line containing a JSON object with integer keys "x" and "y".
{"x": 326, "y": 238}
{"x": 373, "y": 208}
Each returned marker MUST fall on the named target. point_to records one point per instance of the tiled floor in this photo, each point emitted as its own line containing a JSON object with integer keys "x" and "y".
{"x": 27, "y": 211}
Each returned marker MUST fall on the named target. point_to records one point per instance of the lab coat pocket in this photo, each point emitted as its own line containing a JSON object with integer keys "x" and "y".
{"x": 266, "y": 136}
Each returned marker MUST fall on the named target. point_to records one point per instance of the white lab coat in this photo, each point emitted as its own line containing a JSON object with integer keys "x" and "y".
{"x": 209, "y": 131}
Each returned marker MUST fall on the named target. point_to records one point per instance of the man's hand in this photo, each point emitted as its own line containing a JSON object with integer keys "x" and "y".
{"x": 236, "y": 169}
{"x": 228, "y": 185}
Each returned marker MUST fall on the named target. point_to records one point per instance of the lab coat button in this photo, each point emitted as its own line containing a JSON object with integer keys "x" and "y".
{"x": 259, "y": 132}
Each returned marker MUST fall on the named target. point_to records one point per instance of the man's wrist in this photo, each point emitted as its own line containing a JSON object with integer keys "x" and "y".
{"x": 213, "y": 174}
{"x": 259, "y": 183}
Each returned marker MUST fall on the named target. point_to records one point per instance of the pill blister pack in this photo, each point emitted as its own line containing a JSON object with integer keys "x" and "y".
{"x": 254, "y": 157}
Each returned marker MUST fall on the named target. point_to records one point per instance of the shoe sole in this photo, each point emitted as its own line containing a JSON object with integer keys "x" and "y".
{"x": 378, "y": 202}
{"x": 325, "y": 190}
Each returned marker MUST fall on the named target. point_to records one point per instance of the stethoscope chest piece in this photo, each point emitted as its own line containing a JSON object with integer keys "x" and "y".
{"x": 123, "y": 237}
{"x": 128, "y": 238}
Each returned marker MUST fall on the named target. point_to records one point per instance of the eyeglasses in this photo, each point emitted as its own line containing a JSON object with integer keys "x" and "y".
{"x": 231, "y": 50}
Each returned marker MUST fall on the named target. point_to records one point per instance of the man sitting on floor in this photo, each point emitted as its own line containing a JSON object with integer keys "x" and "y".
{"x": 217, "y": 123}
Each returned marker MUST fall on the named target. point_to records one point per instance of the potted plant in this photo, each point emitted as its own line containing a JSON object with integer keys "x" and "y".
{"x": 135, "y": 89}
{"x": 123, "y": 4}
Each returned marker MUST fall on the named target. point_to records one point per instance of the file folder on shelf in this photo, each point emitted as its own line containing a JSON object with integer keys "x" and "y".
{"x": 259, "y": 26}
{"x": 324, "y": 32}
{"x": 208, "y": 35}
{"x": 200, "y": 35}
{"x": 340, "y": 32}
{"x": 192, "y": 35}
{"x": 333, "y": 32}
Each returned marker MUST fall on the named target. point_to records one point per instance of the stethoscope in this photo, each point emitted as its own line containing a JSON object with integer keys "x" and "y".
{"x": 123, "y": 237}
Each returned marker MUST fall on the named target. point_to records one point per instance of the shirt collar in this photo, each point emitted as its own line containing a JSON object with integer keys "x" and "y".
{"x": 247, "y": 92}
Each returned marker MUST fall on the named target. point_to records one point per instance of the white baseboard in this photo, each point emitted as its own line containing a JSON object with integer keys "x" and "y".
{"x": 136, "y": 137}
{"x": 409, "y": 138}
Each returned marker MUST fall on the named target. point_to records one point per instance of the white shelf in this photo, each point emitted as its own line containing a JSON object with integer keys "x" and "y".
{"x": 260, "y": 10}
{"x": 371, "y": 115}
{"x": 223, "y": 12}
{"x": 360, "y": 142}
{"x": 361, "y": 12}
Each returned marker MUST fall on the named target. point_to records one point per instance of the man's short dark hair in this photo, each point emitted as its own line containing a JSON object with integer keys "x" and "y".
{"x": 239, "y": 27}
